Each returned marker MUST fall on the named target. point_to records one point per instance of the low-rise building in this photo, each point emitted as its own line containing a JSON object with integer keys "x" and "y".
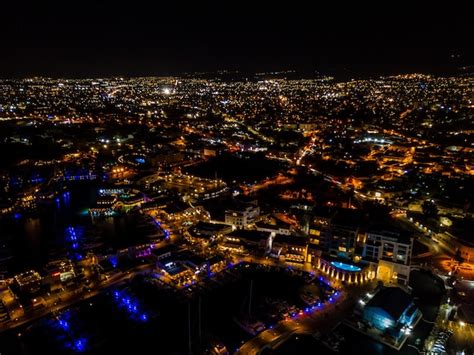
{"x": 28, "y": 282}
{"x": 293, "y": 248}
{"x": 275, "y": 226}
{"x": 61, "y": 270}
{"x": 249, "y": 239}
{"x": 207, "y": 232}
{"x": 242, "y": 214}
{"x": 390, "y": 311}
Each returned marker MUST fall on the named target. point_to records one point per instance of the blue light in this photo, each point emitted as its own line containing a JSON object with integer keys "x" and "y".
{"x": 17, "y": 215}
{"x": 63, "y": 324}
{"x": 345, "y": 267}
{"x": 80, "y": 345}
{"x": 113, "y": 261}
{"x": 130, "y": 305}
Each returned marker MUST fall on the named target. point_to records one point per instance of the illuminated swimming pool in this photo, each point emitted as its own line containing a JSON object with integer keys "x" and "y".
{"x": 140, "y": 160}
{"x": 345, "y": 267}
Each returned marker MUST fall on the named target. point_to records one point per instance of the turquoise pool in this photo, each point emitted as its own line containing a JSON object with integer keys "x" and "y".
{"x": 345, "y": 267}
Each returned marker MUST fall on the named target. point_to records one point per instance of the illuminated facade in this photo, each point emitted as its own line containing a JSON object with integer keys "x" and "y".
{"x": 392, "y": 251}
{"x": 242, "y": 217}
{"x": 391, "y": 311}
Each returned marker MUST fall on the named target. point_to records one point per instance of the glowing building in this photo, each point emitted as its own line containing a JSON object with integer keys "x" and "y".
{"x": 391, "y": 311}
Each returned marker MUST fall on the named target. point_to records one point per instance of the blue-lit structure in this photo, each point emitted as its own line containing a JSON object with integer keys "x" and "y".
{"x": 73, "y": 237}
{"x": 78, "y": 175}
{"x": 124, "y": 301}
{"x": 75, "y": 343}
{"x": 114, "y": 261}
{"x": 165, "y": 231}
{"x": 391, "y": 311}
{"x": 80, "y": 345}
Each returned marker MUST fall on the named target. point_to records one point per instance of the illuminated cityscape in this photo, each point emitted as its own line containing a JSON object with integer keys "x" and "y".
{"x": 239, "y": 210}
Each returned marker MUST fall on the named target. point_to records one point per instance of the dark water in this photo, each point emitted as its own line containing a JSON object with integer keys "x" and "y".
{"x": 109, "y": 329}
{"x": 35, "y": 239}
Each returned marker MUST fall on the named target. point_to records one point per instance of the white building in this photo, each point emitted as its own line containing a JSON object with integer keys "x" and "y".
{"x": 392, "y": 253}
{"x": 242, "y": 216}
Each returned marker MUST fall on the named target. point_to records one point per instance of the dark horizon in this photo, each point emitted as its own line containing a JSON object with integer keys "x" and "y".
{"x": 105, "y": 38}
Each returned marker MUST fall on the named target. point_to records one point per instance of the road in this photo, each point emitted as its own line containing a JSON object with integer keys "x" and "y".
{"x": 322, "y": 320}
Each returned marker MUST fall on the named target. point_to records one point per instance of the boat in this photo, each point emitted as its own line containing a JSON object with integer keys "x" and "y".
{"x": 333, "y": 341}
{"x": 309, "y": 299}
{"x": 310, "y": 279}
{"x": 216, "y": 348}
{"x": 253, "y": 327}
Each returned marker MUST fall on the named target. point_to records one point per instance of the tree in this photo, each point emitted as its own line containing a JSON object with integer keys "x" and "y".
{"x": 429, "y": 209}
{"x": 458, "y": 257}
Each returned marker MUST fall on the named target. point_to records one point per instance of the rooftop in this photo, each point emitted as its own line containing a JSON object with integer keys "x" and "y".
{"x": 249, "y": 235}
{"x": 393, "y": 300}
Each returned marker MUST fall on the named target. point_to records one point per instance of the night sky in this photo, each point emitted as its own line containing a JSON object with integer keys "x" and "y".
{"x": 84, "y": 38}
